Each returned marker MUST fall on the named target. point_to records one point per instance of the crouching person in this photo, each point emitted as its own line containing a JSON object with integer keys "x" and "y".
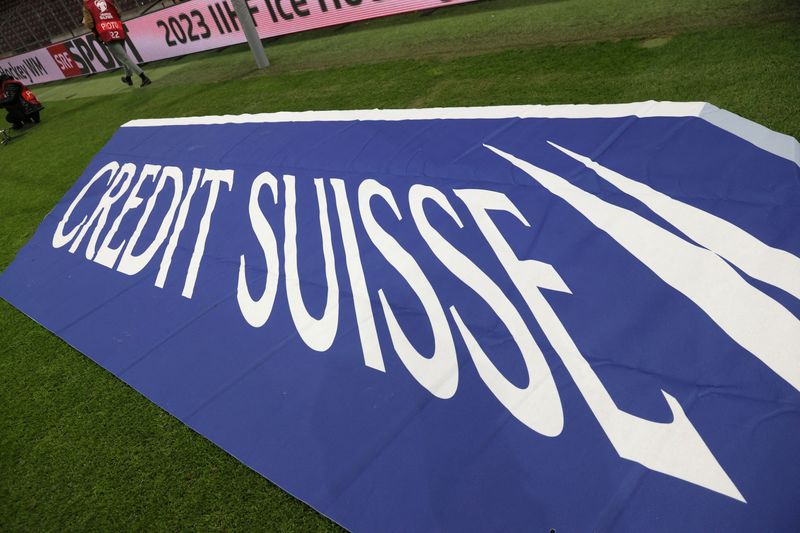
{"x": 19, "y": 102}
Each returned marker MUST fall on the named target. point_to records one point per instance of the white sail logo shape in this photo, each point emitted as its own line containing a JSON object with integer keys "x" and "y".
{"x": 701, "y": 272}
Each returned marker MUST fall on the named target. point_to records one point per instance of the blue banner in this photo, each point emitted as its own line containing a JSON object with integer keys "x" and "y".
{"x": 580, "y": 318}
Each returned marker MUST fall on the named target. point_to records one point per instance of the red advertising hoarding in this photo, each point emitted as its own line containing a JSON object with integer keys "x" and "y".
{"x": 197, "y": 26}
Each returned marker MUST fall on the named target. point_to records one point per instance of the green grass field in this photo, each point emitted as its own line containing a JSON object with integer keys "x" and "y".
{"x": 80, "y": 450}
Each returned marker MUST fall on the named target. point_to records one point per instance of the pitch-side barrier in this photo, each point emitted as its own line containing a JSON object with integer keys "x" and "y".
{"x": 198, "y": 26}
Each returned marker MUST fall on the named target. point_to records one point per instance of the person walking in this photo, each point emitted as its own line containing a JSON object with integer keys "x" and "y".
{"x": 102, "y": 18}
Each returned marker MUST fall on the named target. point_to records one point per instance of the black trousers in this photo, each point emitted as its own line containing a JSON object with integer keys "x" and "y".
{"x": 17, "y": 117}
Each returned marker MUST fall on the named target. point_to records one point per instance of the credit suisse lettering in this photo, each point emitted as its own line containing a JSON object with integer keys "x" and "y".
{"x": 675, "y": 448}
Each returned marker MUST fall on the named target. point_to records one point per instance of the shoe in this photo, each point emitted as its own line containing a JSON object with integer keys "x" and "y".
{"x": 127, "y": 80}
{"x": 145, "y": 81}
{"x": 17, "y": 126}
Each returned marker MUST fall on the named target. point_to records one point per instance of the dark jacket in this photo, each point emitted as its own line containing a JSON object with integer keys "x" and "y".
{"x": 16, "y": 98}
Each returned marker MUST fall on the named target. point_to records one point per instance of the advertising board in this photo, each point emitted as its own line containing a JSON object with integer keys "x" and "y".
{"x": 197, "y": 26}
